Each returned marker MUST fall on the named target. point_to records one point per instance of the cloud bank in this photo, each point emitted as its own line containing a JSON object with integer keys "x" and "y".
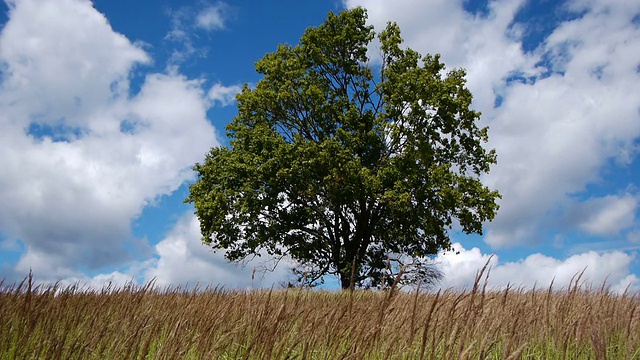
{"x": 83, "y": 152}
{"x": 539, "y": 271}
{"x": 561, "y": 103}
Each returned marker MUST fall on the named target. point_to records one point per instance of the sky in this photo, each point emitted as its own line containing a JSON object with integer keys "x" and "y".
{"x": 106, "y": 105}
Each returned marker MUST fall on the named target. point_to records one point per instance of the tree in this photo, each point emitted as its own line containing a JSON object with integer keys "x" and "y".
{"x": 345, "y": 172}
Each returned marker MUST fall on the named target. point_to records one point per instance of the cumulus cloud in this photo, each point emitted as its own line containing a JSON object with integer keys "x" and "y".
{"x": 61, "y": 60}
{"x": 555, "y": 136}
{"x": 559, "y": 113}
{"x": 82, "y": 154}
{"x": 183, "y": 259}
{"x": 537, "y": 270}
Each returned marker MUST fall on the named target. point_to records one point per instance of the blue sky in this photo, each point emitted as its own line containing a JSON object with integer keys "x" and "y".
{"x": 105, "y": 106}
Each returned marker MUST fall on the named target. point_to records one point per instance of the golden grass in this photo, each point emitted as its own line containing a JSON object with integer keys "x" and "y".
{"x": 143, "y": 322}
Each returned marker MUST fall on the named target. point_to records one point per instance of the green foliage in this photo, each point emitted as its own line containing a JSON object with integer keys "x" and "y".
{"x": 345, "y": 172}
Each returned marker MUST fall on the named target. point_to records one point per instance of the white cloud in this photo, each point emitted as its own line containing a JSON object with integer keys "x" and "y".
{"x": 224, "y": 95}
{"x": 553, "y": 136}
{"x": 62, "y": 60}
{"x": 186, "y": 21}
{"x": 212, "y": 17}
{"x": 538, "y": 270}
{"x": 183, "y": 259}
{"x": 485, "y": 46}
{"x": 81, "y": 155}
{"x": 608, "y": 215}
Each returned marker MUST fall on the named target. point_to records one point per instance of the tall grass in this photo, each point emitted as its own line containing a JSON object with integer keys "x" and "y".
{"x": 145, "y": 322}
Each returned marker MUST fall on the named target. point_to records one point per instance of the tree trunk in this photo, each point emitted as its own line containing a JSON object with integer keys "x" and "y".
{"x": 345, "y": 281}
{"x": 350, "y": 273}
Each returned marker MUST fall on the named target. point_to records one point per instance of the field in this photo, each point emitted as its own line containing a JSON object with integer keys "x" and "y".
{"x": 143, "y": 322}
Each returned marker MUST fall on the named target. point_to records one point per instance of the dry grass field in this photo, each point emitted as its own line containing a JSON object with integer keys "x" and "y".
{"x": 143, "y": 322}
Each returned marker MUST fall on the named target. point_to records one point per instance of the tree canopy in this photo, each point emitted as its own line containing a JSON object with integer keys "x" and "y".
{"x": 350, "y": 166}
